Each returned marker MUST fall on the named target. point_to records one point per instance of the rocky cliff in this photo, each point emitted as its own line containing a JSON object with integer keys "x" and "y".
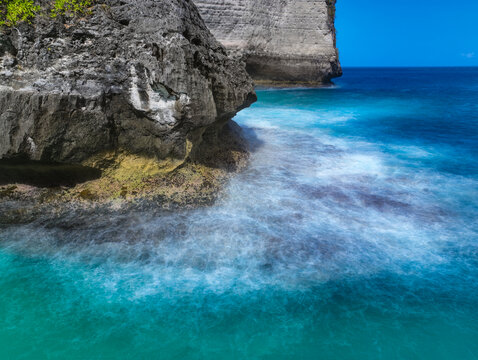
{"x": 281, "y": 40}
{"x": 139, "y": 76}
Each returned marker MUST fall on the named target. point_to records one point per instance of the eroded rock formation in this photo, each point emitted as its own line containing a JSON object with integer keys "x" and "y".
{"x": 140, "y": 76}
{"x": 282, "y": 41}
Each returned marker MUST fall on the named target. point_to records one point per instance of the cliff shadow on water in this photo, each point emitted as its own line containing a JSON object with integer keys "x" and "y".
{"x": 224, "y": 144}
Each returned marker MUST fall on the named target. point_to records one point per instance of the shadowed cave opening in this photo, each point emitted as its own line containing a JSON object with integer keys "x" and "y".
{"x": 44, "y": 174}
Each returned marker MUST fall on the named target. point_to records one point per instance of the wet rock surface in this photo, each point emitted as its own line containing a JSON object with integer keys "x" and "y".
{"x": 129, "y": 183}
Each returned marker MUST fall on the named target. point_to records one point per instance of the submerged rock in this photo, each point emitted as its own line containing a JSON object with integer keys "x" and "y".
{"x": 284, "y": 42}
{"x": 137, "y": 77}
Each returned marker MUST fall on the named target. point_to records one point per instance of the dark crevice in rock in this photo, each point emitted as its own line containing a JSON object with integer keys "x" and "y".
{"x": 44, "y": 174}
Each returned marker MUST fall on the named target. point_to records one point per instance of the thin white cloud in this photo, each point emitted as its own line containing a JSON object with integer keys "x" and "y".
{"x": 469, "y": 55}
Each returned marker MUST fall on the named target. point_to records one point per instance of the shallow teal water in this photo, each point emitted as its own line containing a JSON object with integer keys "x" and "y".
{"x": 353, "y": 235}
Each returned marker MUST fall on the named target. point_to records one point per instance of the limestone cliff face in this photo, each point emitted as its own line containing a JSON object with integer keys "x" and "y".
{"x": 144, "y": 76}
{"x": 281, "y": 40}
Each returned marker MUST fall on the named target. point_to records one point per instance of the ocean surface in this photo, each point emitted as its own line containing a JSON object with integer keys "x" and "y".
{"x": 352, "y": 235}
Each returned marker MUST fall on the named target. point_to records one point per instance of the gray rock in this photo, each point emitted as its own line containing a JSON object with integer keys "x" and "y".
{"x": 281, "y": 40}
{"x": 142, "y": 76}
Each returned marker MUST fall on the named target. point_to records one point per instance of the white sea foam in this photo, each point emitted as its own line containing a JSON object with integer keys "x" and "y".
{"x": 311, "y": 208}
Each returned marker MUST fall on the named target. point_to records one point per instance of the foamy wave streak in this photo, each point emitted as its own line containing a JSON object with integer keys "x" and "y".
{"x": 310, "y": 209}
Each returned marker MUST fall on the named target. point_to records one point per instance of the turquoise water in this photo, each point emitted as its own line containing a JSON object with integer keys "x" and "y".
{"x": 352, "y": 235}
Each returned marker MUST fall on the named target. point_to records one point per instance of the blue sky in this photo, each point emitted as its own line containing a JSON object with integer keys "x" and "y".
{"x": 407, "y": 32}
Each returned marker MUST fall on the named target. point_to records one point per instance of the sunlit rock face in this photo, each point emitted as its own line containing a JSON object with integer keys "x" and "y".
{"x": 142, "y": 76}
{"x": 281, "y": 40}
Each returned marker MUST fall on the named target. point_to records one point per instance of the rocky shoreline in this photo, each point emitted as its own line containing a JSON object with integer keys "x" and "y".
{"x": 137, "y": 92}
{"x": 132, "y": 181}
{"x": 131, "y": 102}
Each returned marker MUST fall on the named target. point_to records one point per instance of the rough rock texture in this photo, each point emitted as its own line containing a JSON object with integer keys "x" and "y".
{"x": 281, "y": 40}
{"x": 133, "y": 183}
{"x": 140, "y": 76}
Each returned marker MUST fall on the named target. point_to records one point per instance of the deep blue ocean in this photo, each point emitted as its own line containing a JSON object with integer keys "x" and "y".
{"x": 353, "y": 234}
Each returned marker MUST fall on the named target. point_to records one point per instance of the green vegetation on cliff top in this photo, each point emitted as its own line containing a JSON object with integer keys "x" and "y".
{"x": 13, "y": 12}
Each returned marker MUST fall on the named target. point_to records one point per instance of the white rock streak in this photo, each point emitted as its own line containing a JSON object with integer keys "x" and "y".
{"x": 159, "y": 108}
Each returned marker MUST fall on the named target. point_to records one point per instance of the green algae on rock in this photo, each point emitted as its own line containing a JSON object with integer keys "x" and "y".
{"x": 130, "y": 180}
{"x": 127, "y": 104}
